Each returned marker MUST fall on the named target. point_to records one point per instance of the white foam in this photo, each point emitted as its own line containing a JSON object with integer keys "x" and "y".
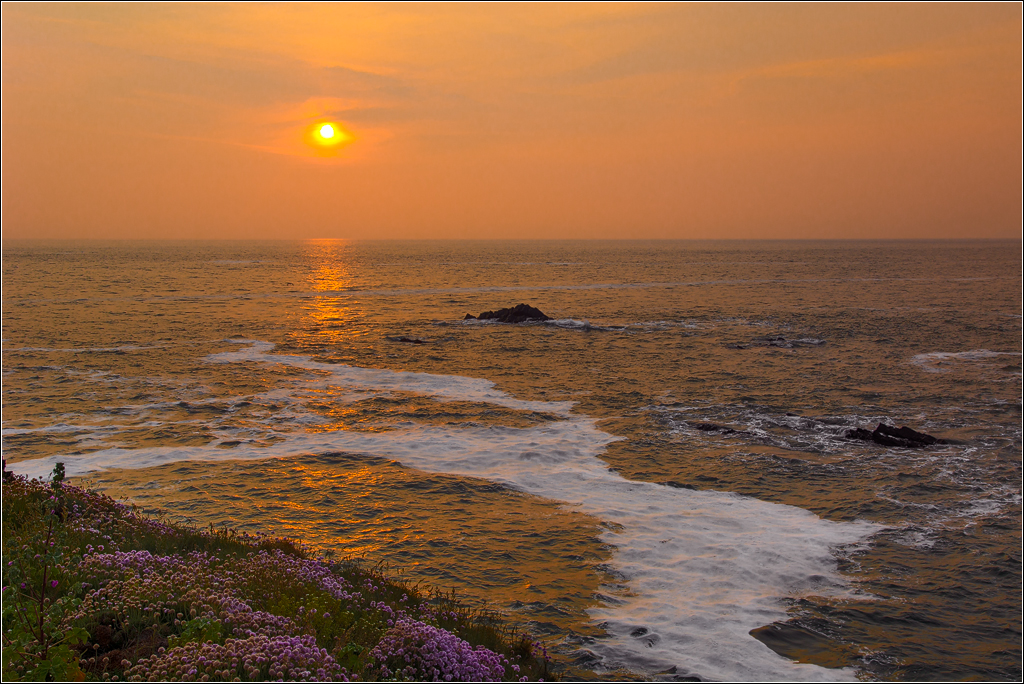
{"x": 933, "y": 362}
{"x": 573, "y": 324}
{"x": 80, "y": 350}
{"x": 660, "y": 325}
{"x": 379, "y": 380}
{"x": 920, "y": 539}
{"x": 703, "y": 567}
{"x": 58, "y": 428}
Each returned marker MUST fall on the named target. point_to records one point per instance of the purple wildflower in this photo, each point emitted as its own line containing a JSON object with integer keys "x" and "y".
{"x": 413, "y": 650}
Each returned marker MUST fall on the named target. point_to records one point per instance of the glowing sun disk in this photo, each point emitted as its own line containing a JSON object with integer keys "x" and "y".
{"x": 327, "y": 136}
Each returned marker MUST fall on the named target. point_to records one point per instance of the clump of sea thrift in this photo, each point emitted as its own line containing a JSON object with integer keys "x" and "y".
{"x": 414, "y": 651}
{"x": 256, "y": 658}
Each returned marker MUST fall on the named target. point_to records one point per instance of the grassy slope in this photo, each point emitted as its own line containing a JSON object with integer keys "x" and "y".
{"x": 93, "y": 590}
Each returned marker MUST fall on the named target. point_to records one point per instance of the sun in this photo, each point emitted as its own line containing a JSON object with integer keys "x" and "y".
{"x": 328, "y": 134}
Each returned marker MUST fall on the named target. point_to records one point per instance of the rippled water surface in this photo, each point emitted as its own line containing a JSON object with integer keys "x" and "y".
{"x": 657, "y": 481}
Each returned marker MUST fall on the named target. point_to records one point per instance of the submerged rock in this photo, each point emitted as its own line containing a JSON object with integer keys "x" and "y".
{"x": 519, "y": 313}
{"x": 887, "y": 435}
{"x": 779, "y": 342}
{"x": 786, "y": 343}
{"x": 408, "y": 340}
{"x": 714, "y": 427}
{"x": 678, "y": 485}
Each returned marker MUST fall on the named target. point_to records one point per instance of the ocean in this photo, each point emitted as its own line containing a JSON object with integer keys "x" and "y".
{"x": 657, "y": 482}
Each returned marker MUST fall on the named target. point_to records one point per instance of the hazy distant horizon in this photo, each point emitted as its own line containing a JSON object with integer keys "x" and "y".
{"x": 509, "y": 239}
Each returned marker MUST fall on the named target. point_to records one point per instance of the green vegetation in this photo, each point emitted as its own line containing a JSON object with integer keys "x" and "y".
{"x": 94, "y": 590}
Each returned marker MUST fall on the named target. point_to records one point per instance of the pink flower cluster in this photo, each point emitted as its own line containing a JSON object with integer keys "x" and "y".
{"x": 178, "y": 588}
{"x": 276, "y": 567}
{"x": 257, "y": 657}
{"x": 416, "y": 651}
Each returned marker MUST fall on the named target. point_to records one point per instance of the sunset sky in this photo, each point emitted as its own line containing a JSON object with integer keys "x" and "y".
{"x": 512, "y": 121}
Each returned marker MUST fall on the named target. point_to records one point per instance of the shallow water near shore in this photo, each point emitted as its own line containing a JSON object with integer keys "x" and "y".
{"x": 656, "y": 481}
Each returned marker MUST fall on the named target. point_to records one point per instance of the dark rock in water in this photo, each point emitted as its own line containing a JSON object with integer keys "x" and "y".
{"x": 906, "y": 433}
{"x": 712, "y": 427}
{"x": 773, "y": 342}
{"x": 519, "y": 313}
{"x": 673, "y": 674}
{"x": 887, "y": 435}
{"x": 409, "y": 340}
{"x": 859, "y": 433}
{"x": 679, "y": 485}
{"x": 785, "y": 343}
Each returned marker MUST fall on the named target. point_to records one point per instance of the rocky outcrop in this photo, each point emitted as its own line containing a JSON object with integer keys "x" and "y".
{"x": 520, "y": 313}
{"x": 887, "y": 435}
{"x": 714, "y": 427}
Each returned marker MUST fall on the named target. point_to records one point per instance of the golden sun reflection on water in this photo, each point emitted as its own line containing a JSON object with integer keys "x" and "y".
{"x": 327, "y": 317}
{"x": 328, "y": 264}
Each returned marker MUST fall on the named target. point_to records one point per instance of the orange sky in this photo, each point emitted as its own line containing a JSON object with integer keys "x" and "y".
{"x": 512, "y": 121}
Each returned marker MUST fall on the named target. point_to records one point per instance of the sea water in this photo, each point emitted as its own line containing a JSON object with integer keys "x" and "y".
{"x": 656, "y": 482}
